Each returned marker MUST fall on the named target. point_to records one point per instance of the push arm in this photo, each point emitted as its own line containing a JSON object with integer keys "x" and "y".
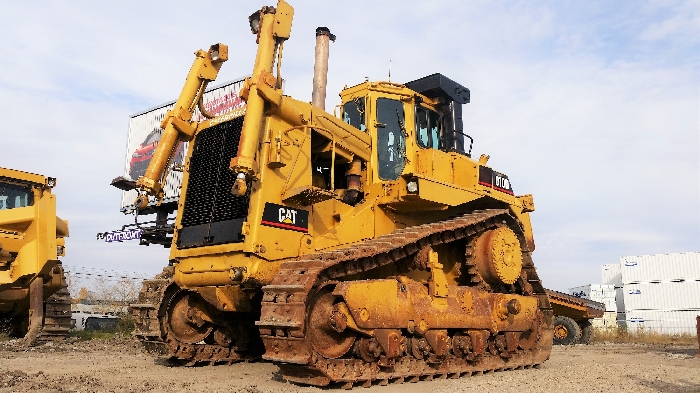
{"x": 177, "y": 124}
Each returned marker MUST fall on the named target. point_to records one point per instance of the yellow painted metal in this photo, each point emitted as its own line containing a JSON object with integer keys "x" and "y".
{"x": 354, "y": 223}
{"x": 572, "y": 307}
{"x": 227, "y": 297}
{"x": 386, "y": 205}
{"x": 283, "y": 141}
{"x": 219, "y": 269}
{"x": 30, "y": 237}
{"x": 402, "y": 303}
{"x": 499, "y": 256}
{"x": 438, "y": 282}
{"x": 274, "y": 28}
{"x": 177, "y": 124}
{"x": 16, "y": 175}
{"x": 284, "y": 13}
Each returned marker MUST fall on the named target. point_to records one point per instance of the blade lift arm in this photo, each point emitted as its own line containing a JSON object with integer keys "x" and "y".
{"x": 178, "y": 125}
{"x": 272, "y": 26}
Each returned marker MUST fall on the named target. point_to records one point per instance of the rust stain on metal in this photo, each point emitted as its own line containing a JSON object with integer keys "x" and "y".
{"x": 321, "y": 329}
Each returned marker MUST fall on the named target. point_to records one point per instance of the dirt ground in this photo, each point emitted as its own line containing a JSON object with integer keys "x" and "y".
{"x": 119, "y": 365}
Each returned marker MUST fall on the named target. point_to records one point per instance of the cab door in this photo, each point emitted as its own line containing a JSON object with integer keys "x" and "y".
{"x": 390, "y": 123}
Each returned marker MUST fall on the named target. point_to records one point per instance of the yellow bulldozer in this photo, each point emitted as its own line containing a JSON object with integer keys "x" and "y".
{"x": 34, "y": 299}
{"x": 349, "y": 248}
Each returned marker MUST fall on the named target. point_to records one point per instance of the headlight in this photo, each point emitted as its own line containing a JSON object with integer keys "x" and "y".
{"x": 254, "y": 21}
{"x": 412, "y": 187}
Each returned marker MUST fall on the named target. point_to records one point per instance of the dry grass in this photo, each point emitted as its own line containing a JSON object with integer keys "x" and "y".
{"x": 641, "y": 336}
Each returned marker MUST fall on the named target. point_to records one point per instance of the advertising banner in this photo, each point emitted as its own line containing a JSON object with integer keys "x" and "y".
{"x": 120, "y": 236}
{"x": 145, "y": 132}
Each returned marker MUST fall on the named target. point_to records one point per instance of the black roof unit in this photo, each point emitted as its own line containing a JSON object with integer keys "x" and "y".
{"x": 438, "y": 85}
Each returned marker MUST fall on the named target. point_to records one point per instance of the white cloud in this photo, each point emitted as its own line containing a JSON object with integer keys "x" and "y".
{"x": 682, "y": 23}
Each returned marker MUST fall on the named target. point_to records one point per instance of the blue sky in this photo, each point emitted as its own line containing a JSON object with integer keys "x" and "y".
{"x": 592, "y": 107}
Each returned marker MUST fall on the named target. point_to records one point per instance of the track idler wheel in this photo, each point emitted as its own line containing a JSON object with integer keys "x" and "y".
{"x": 186, "y": 321}
{"x": 498, "y": 256}
{"x": 325, "y": 330}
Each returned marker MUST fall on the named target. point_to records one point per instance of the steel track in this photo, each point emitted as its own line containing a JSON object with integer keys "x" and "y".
{"x": 284, "y": 311}
{"x": 151, "y": 330}
{"x": 57, "y": 316}
{"x": 285, "y": 301}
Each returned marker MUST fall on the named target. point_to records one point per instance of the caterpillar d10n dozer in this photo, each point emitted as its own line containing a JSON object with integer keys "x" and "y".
{"x": 347, "y": 249}
{"x": 34, "y": 298}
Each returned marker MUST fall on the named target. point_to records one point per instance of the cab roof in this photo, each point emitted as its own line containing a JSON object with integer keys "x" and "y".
{"x": 440, "y": 86}
{"x": 23, "y": 176}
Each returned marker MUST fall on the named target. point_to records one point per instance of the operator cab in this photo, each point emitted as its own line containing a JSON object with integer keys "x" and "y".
{"x": 442, "y": 129}
{"x": 428, "y": 109}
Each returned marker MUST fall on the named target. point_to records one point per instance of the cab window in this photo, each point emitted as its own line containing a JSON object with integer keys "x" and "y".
{"x": 391, "y": 141}
{"x": 354, "y": 113}
{"x": 13, "y": 196}
{"x": 428, "y": 128}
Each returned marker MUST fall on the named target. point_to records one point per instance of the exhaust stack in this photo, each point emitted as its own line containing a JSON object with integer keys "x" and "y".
{"x": 318, "y": 95}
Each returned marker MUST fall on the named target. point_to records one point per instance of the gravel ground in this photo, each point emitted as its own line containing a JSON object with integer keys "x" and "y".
{"x": 118, "y": 365}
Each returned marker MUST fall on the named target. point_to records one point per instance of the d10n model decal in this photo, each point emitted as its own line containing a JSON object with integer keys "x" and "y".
{"x": 284, "y": 217}
{"x": 496, "y": 180}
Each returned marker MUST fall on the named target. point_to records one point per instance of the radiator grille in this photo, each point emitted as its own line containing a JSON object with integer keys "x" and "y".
{"x": 208, "y": 198}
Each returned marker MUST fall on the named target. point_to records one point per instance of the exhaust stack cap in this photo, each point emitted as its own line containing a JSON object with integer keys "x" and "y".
{"x": 326, "y": 32}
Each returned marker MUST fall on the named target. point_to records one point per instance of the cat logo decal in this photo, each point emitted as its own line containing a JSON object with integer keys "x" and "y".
{"x": 284, "y": 217}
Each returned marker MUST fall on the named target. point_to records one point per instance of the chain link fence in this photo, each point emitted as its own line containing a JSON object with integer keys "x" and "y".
{"x": 108, "y": 290}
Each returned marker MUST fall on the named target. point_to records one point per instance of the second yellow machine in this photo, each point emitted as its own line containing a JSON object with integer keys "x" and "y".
{"x": 34, "y": 297}
{"x": 350, "y": 248}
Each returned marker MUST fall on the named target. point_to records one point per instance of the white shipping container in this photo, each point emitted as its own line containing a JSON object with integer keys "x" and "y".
{"x": 662, "y": 296}
{"x": 621, "y": 320}
{"x": 600, "y": 293}
{"x": 595, "y": 290}
{"x": 609, "y": 320}
{"x": 610, "y": 304}
{"x": 612, "y": 275}
{"x": 620, "y": 299}
{"x": 145, "y": 132}
{"x": 660, "y": 267}
{"x": 665, "y": 322}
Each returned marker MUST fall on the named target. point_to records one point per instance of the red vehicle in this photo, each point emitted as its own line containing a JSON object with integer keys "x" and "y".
{"x": 143, "y": 154}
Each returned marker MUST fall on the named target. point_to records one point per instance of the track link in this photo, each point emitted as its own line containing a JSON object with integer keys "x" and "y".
{"x": 284, "y": 312}
{"x": 285, "y": 304}
{"x": 150, "y": 328}
{"x": 57, "y": 319}
{"x": 57, "y": 316}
